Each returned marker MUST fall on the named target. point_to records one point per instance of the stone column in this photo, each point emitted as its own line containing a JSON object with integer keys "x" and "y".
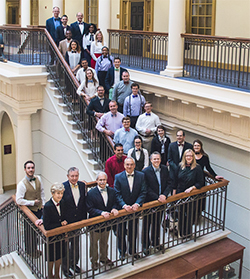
{"x": 104, "y": 18}
{"x": 23, "y": 143}
{"x": 2, "y": 12}
{"x": 59, "y": 4}
{"x": 25, "y": 13}
{"x": 175, "y": 42}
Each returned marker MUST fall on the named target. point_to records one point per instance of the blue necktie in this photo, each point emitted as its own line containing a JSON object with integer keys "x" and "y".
{"x": 134, "y": 96}
{"x": 148, "y": 114}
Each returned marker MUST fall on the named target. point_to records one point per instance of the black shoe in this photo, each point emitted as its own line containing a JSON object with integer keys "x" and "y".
{"x": 122, "y": 257}
{"x": 76, "y": 268}
{"x": 107, "y": 262}
{"x": 137, "y": 257}
{"x": 68, "y": 274}
{"x": 146, "y": 252}
{"x": 160, "y": 247}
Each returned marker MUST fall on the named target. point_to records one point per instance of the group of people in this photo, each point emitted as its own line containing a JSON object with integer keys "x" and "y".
{"x": 121, "y": 186}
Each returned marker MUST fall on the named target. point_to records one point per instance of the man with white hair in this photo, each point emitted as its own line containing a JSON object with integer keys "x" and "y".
{"x": 101, "y": 201}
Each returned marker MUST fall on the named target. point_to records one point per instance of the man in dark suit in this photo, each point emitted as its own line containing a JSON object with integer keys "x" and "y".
{"x": 101, "y": 200}
{"x": 74, "y": 198}
{"x": 98, "y": 105}
{"x": 62, "y": 29}
{"x": 79, "y": 28}
{"x": 131, "y": 191}
{"x": 176, "y": 150}
{"x": 114, "y": 74}
{"x": 159, "y": 185}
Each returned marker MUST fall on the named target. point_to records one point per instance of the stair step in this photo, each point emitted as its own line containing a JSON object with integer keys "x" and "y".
{"x": 94, "y": 164}
{"x": 88, "y": 152}
{"x": 53, "y": 88}
{"x": 62, "y": 105}
{"x": 1, "y": 261}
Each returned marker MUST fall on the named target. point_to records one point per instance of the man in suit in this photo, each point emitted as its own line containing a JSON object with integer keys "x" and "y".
{"x": 159, "y": 185}
{"x": 98, "y": 105}
{"x": 74, "y": 198}
{"x": 131, "y": 191}
{"x": 79, "y": 28}
{"x": 101, "y": 201}
{"x": 62, "y": 29}
{"x": 114, "y": 75}
{"x": 64, "y": 44}
{"x": 176, "y": 150}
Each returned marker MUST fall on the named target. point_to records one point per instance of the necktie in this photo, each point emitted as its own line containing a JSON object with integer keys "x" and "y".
{"x": 157, "y": 170}
{"x": 113, "y": 115}
{"x": 103, "y": 190}
{"x": 75, "y": 186}
{"x": 158, "y": 175}
{"x": 130, "y": 175}
{"x": 127, "y": 129}
{"x": 80, "y": 23}
{"x": 138, "y": 150}
{"x": 180, "y": 144}
{"x": 57, "y": 204}
{"x": 116, "y": 69}
{"x": 148, "y": 114}
{"x": 73, "y": 51}
{"x": 101, "y": 99}
{"x": 91, "y": 38}
{"x": 126, "y": 82}
{"x": 90, "y": 81}
{"x": 33, "y": 179}
{"x": 134, "y": 96}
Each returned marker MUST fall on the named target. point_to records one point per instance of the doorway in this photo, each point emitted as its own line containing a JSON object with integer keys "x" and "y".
{"x": 13, "y": 12}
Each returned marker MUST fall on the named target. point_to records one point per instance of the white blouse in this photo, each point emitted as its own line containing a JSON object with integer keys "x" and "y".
{"x": 96, "y": 48}
{"x": 90, "y": 91}
{"x": 74, "y": 59}
{"x": 86, "y": 40}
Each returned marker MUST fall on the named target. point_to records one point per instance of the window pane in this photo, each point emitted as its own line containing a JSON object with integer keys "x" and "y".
{"x": 202, "y": 22}
{"x": 208, "y": 32}
{"x": 194, "y": 22}
{"x": 209, "y": 22}
{"x": 209, "y": 9}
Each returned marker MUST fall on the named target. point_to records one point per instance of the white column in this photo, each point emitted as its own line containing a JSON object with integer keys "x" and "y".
{"x": 175, "y": 42}
{"x": 104, "y": 18}
{"x": 59, "y": 4}
{"x": 25, "y": 13}
{"x": 23, "y": 143}
{"x": 2, "y": 12}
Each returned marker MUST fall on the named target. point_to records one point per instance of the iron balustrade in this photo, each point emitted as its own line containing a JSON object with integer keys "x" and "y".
{"x": 140, "y": 49}
{"x": 203, "y": 211}
{"x": 221, "y": 60}
{"x": 34, "y": 46}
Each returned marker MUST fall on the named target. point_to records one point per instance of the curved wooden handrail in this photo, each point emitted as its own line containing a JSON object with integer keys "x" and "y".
{"x": 138, "y": 32}
{"x": 7, "y": 202}
{"x": 123, "y": 212}
{"x": 214, "y": 38}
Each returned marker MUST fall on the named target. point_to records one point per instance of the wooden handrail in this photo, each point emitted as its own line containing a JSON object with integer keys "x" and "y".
{"x": 150, "y": 33}
{"x": 214, "y": 38}
{"x": 7, "y": 202}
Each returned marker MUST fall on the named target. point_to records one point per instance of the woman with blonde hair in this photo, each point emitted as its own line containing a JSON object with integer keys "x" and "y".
{"x": 96, "y": 47}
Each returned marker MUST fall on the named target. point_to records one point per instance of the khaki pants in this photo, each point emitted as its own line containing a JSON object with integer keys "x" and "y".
{"x": 102, "y": 237}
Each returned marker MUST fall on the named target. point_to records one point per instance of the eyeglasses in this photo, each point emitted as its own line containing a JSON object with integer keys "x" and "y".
{"x": 137, "y": 142}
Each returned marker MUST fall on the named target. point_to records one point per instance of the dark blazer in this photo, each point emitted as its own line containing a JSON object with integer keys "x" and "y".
{"x": 156, "y": 146}
{"x": 123, "y": 194}
{"x": 153, "y": 184}
{"x": 95, "y": 106}
{"x": 173, "y": 153}
{"x": 76, "y": 33}
{"x": 60, "y": 33}
{"x": 110, "y": 77}
{"x": 95, "y": 203}
{"x": 51, "y": 217}
{"x": 51, "y": 27}
{"x": 75, "y": 212}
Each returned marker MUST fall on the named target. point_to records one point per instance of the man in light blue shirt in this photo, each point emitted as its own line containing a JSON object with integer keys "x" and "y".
{"x": 125, "y": 135}
{"x": 133, "y": 104}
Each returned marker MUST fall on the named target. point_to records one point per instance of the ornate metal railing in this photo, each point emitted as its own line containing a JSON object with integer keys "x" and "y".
{"x": 140, "y": 49}
{"x": 220, "y": 60}
{"x": 34, "y": 46}
{"x": 182, "y": 218}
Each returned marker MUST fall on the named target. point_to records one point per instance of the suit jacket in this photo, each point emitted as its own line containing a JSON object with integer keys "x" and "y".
{"x": 51, "y": 27}
{"x": 153, "y": 184}
{"x": 156, "y": 146}
{"x": 110, "y": 77}
{"x": 95, "y": 203}
{"x": 76, "y": 33}
{"x": 173, "y": 153}
{"x": 123, "y": 194}
{"x": 75, "y": 212}
{"x": 95, "y": 106}
{"x": 51, "y": 217}
{"x": 63, "y": 47}
{"x": 60, "y": 33}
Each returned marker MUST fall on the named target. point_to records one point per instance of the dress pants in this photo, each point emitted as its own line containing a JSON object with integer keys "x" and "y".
{"x": 102, "y": 237}
{"x": 72, "y": 253}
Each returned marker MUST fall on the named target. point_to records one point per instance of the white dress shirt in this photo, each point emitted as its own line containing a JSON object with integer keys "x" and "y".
{"x": 104, "y": 195}
{"x": 138, "y": 154}
{"x": 130, "y": 180}
{"x": 96, "y": 47}
{"x": 147, "y": 122}
{"x": 57, "y": 206}
{"x": 75, "y": 193}
{"x": 80, "y": 75}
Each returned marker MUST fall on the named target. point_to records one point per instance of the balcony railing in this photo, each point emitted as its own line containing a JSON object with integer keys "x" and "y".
{"x": 140, "y": 49}
{"x": 206, "y": 209}
{"x": 221, "y": 60}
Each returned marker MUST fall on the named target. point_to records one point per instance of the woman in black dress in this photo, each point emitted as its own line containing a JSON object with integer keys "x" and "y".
{"x": 203, "y": 160}
{"x": 189, "y": 177}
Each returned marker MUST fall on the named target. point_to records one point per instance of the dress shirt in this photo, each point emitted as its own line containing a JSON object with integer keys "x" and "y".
{"x": 75, "y": 193}
{"x": 96, "y": 47}
{"x": 57, "y": 206}
{"x": 126, "y": 138}
{"x": 121, "y": 91}
{"x": 86, "y": 41}
{"x": 80, "y": 75}
{"x": 138, "y": 155}
{"x": 180, "y": 148}
{"x": 147, "y": 122}
{"x": 81, "y": 27}
{"x": 133, "y": 106}
{"x": 158, "y": 176}
{"x": 57, "y": 22}
{"x": 90, "y": 91}
{"x": 104, "y": 195}
{"x": 162, "y": 141}
{"x": 112, "y": 167}
{"x": 21, "y": 190}
{"x": 103, "y": 63}
{"x": 74, "y": 59}
{"x": 130, "y": 180}
{"x": 116, "y": 75}
{"x": 111, "y": 123}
